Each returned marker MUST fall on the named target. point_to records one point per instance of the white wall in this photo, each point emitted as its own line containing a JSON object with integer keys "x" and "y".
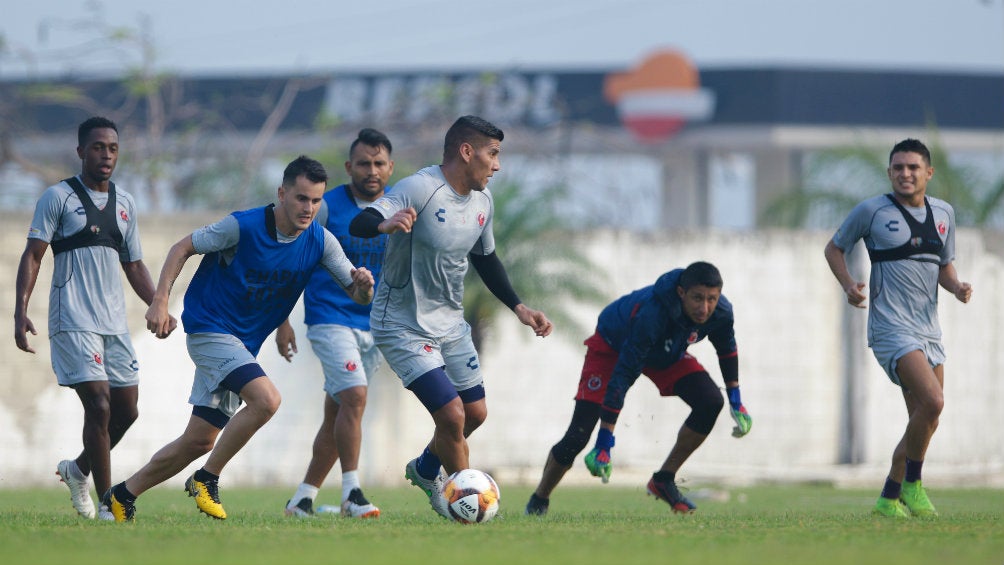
{"x": 788, "y": 322}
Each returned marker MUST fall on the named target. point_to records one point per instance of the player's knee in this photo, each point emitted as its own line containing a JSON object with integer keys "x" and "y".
{"x": 579, "y": 431}
{"x": 704, "y": 413}
{"x": 450, "y": 418}
{"x": 474, "y": 417}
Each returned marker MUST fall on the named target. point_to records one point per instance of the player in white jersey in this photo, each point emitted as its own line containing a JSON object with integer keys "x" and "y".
{"x": 439, "y": 221}
{"x": 92, "y": 229}
{"x": 910, "y": 238}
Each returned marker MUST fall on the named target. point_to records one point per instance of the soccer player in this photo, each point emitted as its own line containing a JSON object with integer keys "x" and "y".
{"x": 256, "y": 265}
{"x": 338, "y": 330}
{"x": 91, "y": 225}
{"x": 648, "y": 332}
{"x": 910, "y": 238}
{"x": 440, "y": 220}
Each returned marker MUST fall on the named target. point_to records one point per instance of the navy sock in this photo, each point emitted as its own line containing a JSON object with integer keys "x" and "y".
{"x": 122, "y": 494}
{"x": 891, "y": 489}
{"x": 913, "y": 470}
{"x": 204, "y": 476}
{"x": 664, "y": 476}
{"x": 428, "y": 464}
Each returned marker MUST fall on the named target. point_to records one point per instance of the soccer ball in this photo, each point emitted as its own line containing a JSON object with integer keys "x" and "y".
{"x": 471, "y": 496}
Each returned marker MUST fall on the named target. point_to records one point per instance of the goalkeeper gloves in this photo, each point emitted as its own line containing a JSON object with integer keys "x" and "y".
{"x": 739, "y": 414}
{"x": 598, "y": 460}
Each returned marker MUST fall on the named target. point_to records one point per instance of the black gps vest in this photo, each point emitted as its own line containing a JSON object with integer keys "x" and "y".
{"x": 102, "y": 227}
{"x": 924, "y": 238}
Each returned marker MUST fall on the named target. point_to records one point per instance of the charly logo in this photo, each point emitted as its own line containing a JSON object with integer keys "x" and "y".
{"x": 656, "y": 99}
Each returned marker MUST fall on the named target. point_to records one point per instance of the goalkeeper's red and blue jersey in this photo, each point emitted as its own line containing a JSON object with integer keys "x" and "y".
{"x": 648, "y": 328}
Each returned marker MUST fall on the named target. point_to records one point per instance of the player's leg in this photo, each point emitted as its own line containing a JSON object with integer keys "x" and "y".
{"x": 475, "y": 408}
{"x": 696, "y": 388}
{"x": 95, "y": 397}
{"x": 563, "y": 454}
{"x": 78, "y": 360}
{"x": 262, "y": 401}
{"x": 226, "y": 375}
{"x": 349, "y": 437}
{"x": 324, "y": 455}
{"x": 168, "y": 461}
{"x": 597, "y": 367}
{"x": 923, "y": 393}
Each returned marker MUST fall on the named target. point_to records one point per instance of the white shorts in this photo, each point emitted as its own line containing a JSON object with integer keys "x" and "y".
{"x": 348, "y": 356}
{"x": 79, "y": 357}
{"x": 412, "y": 355}
{"x": 216, "y": 356}
{"x": 889, "y": 350}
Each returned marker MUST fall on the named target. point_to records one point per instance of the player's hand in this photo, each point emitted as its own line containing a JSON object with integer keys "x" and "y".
{"x": 23, "y": 326}
{"x": 855, "y": 297}
{"x": 158, "y": 321}
{"x": 599, "y": 464}
{"x": 362, "y": 286}
{"x": 402, "y": 220}
{"x": 742, "y": 419}
{"x": 285, "y": 340}
{"x": 598, "y": 460}
{"x": 172, "y": 325}
{"x": 535, "y": 319}
{"x": 964, "y": 292}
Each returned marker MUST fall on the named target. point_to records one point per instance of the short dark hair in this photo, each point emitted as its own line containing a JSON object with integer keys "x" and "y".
{"x": 93, "y": 123}
{"x": 373, "y": 138}
{"x": 911, "y": 146}
{"x": 304, "y": 166}
{"x": 469, "y": 129}
{"x": 700, "y": 273}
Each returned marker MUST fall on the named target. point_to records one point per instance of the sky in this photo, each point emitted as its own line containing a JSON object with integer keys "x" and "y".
{"x": 199, "y": 37}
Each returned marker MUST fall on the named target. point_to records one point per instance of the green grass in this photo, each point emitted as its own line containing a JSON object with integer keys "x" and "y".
{"x": 602, "y": 525}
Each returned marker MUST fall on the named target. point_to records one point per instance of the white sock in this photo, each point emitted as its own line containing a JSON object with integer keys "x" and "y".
{"x": 303, "y": 491}
{"x": 350, "y": 480}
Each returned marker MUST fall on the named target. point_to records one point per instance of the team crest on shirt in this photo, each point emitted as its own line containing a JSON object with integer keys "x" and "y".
{"x": 481, "y": 219}
{"x": 97, "y": 358}
{"x": 95, "y": 230}
{"x": 351, "y": 366}
{"x": 594, "y": 382}
{"x": 692, "y": 339}
{"x": 916, "y": 241}
{"x": 123, "y": 215}
{"x": 942, "y": 227}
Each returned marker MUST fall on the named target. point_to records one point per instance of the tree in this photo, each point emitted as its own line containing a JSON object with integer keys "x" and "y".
{"x": 839, "y": 178}
{"x": 546, "y": 267}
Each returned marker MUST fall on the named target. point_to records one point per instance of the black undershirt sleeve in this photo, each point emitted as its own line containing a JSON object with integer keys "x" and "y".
{"x": 493, "y": 274}
{"x": 366, "y": 223}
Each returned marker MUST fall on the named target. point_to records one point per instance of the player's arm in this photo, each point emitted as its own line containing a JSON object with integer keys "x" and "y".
{"x": 837, "y": 261}
{"x": 357, "y": 283}
{"x": 158, "y": 320}
{"x": 370, "y": 223}
{"x": 142, "y": 283}
{"x": 948, "y": 278}
{"x": 493, "y": 274}
{"x": 27, "y": 276}
{"x": 724, "y": 341}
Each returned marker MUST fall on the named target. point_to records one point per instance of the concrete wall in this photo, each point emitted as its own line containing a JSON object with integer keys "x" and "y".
{"x": 791, "y": 327}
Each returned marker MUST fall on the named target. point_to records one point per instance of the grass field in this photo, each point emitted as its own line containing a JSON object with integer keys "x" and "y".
{"x": 602, "y": 525}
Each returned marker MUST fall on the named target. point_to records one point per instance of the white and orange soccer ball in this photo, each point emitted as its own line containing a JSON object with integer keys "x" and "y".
{"x": 471, "y": 496}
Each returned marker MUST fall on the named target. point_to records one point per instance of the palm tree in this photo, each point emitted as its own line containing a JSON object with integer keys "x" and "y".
{"x": 547, "y": 269}
{"x": 839, "y": 178}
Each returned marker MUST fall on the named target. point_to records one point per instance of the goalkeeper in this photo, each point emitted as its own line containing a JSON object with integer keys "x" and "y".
{"x": 648, "y": 332}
